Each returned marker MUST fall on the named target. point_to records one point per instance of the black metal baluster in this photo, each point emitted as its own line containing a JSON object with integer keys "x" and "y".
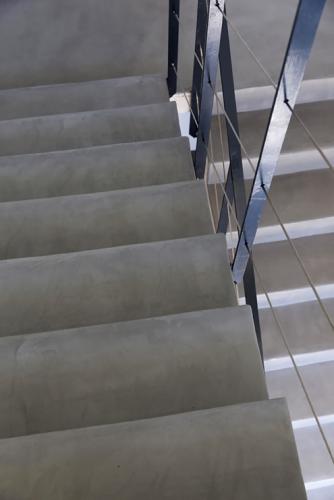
{"x": 235, "y": 184}
{"x": 200, "y": 47}
{"x": 299, "y": 47}
{"x": 173, "y": 45}
{"x": 210, "y": 68}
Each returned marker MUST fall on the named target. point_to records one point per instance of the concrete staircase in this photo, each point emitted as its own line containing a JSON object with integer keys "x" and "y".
{"x": 127, "y": 368}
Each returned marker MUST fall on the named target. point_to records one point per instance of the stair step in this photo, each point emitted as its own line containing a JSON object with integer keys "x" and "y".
{"x": 317, "y": 116}
{"x": 84, "y": 40}
{"x": 111, "y": 373}
{"x": 97, "y": 169}
{"x": 316, "y": 252}
{"x": 89, "y": 128}
{"x": 301, "y": 196}
{"x": 242, "y": 451}
{"x": 316, "y": 338}
{"x": 82, "y": 96}
{"x": 89, "y": 221}
{"x": 117, "y": 284}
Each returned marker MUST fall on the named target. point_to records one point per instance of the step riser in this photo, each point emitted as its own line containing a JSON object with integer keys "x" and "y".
{"x": 242, "y": 451}
{"x": 317, "y": 116}
{"x": 124, "y": 283}
{"x": 94, "y": 128}
{"x": 84, "y": 96}
{"x": 81, "y": 40}
{"x": 76, "y": 223}
{"x": 112, "y": 373}
{"x": 312, "y": 197}
{"x": 316, "y": 253}
{"x": 90, "y": 170}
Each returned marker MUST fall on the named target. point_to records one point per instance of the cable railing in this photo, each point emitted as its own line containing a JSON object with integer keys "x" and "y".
{"x": 212, "y": 52}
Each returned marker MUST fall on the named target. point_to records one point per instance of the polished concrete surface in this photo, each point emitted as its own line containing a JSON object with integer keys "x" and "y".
{"x": 316, "y": 253}
{"x": 301, "y": 197}
{"x": 127, "y": 371}
{"x": 114, "y": 284}
{"x": 305, "y": 325}
{"x": 318, "y": 117}
{"x": 82, "y": 96}
{"x": 190, "y": 456}
{"x": 101, "y": 220}
{"x": 90, "y": 128}
{"x": 95, "y": 169}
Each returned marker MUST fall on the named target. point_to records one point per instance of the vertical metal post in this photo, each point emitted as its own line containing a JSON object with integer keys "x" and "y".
{"x": 173, "y": 45}
{"x": 210, "y": 68}
{"x": 235, "y": 185}
{"x": 200, "y": 47}
{"x": 299, "y": 47}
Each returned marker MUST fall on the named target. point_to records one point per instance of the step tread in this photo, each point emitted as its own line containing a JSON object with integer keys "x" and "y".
{"x": 165, "y": 457}
{"x": 100, "y": 220}
{"x": 89, "y": 128}
{"x": 117, "y": 284}
{"x": 95, "y": 169}
{"x": 82, "y": 96}
{"x": 111, "y": 373}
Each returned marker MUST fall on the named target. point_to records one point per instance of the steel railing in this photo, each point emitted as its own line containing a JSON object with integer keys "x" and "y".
{"x": 212, "y": 50}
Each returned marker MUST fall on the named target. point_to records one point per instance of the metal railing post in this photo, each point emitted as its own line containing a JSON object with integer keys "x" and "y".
{"x": 209, "y": 71}
{"x": 200, "y": 46}
{"x": 235, "y": 184}
{"x": 173, "y": 45}
{"x": 299, "y": 47}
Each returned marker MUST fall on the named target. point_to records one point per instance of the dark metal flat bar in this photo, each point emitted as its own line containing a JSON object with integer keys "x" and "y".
{"x": 235, "y": 182}
{"x": 251, "y": 300}
{"x": 228, "y": 197}
{"x": 211, "y": 61}
{"x": 173, "y": 45}
{"x": 200, "y": 46}
{"x": 299, "y": 47}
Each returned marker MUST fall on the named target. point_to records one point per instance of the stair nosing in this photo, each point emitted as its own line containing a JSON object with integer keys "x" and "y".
{"x": 152, "y": 76}
{"x": 102, "y": 112}
{"x": 71, "y": 255}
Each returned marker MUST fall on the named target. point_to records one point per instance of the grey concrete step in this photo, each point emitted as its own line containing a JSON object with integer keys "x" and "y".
{"x": 305, "y": 326}
{"x": 89, "y": 170}
{"x": 118, "y": 284}
{"x": 316, "y": 253}
{"x": 304, "y": 200}
{"x": 83, "y": 41}
{"x": 100, "y": 220}
{"x": 244, "y": 452}
{"x": 82, "y": 96}
{"x": 301, "y": 196}
{"x": 317, "y": 116}
{"x": 89, "y": 128}
{"x": 127, "y": 371}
